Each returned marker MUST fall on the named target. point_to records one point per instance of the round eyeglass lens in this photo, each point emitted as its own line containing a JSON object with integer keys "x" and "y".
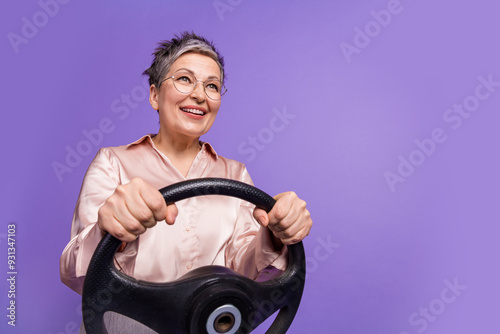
{"x": 213, "y": 89}
{"x": 185, "y": 83}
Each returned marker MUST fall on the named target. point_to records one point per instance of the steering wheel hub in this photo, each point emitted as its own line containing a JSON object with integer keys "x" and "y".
{"x": 224, "y": 319}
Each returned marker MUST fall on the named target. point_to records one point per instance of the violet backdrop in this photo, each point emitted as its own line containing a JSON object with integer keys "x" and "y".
{"x": 382, "y": 115}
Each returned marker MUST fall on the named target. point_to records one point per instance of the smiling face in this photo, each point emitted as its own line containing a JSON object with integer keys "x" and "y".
{"x": 186, "y": 116}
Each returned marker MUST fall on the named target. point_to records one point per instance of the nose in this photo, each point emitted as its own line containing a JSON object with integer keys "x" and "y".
{"x": 198, "y": 92}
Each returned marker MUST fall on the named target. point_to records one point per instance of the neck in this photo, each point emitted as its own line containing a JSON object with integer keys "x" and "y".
{"x": 177, "y": 148}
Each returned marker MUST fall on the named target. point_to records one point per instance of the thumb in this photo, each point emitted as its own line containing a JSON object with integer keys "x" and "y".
{"x": 261, "y": 216}
{"x": 171, "y": 214}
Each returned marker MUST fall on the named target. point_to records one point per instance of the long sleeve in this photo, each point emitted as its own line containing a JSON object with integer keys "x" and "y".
{"x": 99, "y": 183}
{"x": 250, "y": 250}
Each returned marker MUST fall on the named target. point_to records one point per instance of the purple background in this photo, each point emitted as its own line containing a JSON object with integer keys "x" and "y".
{"x": 390, "y": 250}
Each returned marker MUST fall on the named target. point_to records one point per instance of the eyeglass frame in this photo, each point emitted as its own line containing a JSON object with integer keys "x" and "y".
{"x": 223, "y": 88}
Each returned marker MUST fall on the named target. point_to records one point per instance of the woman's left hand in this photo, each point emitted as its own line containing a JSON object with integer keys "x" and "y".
{"x": 289, "y": 220}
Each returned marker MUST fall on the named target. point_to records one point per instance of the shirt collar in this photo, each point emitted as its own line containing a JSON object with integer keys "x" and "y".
{"x": 149, "y": 137}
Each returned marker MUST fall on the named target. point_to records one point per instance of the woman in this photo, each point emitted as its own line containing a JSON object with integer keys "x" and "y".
{"x": 120, "y": 195}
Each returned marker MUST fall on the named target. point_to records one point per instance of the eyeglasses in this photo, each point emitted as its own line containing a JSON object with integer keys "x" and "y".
{"x": 186, "y": 82}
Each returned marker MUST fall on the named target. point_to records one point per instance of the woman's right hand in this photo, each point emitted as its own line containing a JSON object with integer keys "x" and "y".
{"x": 133, "y": 208}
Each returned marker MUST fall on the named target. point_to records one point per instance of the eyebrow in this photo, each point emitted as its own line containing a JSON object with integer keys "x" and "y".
{"x": 188, "y": 70}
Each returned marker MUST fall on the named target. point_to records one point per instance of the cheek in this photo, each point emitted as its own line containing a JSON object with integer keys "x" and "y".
{"x": 214, "y": 107}
{"x": 171, "y": 97}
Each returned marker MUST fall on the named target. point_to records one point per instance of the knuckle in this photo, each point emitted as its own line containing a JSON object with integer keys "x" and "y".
{"x": 149, "y": 224}
{"x": 101, "y": 224}
{"x": 307, "y": 220}
{"x": 136, "y": 181}
{"x": 110, "y": 201}
{"x": 304, "y": 233}
{"x": 284, "y": 223}
{"x": 279, "y": 212}
{"x": 120, "y": 233}
{"x": 296, "y": 238}
{"x": 274, "y": 228}
{"x": 287, "y": 234}
{"x": 157, "y": 203}
{"x": 104, "y": 215}
{"x": 103, "y": 219}
{"x": 307, "y": 225}
{"x": 144, "y": 215}
{"x": 103, "y": 211}
{"x": 134, "y": 226}
{"x": 292, "y": 196}
{"x": 120, "y": 189}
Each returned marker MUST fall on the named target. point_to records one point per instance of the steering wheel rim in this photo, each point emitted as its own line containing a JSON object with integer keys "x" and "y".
{"x": 186, "y": 304}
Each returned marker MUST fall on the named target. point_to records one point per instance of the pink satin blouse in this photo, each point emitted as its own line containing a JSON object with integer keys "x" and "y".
{"x": 209, "y": 230}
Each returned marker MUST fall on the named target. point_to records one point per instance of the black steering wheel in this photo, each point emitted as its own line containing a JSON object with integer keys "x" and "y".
{"x": 210, "y": 299}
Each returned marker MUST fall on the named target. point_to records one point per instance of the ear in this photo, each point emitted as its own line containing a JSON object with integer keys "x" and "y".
{"x": 153, "y": 97}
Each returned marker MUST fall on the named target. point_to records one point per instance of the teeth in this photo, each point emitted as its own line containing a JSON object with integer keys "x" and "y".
{"x": 193, "y": 111}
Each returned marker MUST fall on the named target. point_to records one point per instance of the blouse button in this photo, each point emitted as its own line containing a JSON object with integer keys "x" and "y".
{"x": 188, "y": 228}
{"x": 189, "y": 265}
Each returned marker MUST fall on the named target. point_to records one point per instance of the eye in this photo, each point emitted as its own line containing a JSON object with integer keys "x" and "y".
{"x": 184, "y": 79}
{"x": 213, "y": 86}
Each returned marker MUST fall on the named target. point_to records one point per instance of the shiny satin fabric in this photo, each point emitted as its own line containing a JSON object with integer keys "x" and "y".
{"x": 209, "y": 230}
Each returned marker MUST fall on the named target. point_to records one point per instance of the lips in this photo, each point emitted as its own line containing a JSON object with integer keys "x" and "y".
{"x": 194, "y": 111}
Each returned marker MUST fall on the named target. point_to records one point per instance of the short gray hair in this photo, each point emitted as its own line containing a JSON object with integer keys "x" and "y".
{"x": 168, "y": 52}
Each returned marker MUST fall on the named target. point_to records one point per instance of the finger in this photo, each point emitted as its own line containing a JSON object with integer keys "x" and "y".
{"x": 288, "y": 232}
{"x": 155, "y": 201}
{"x": 139, "y": 209}
{"x": 119, "y": 232}
{"x": 299, "y": 230}
{"x": 114, "y": 227}
{"x": 121, "y": 210}
{"x": 291, "y": 222}
{"x": 297, "y": 237}
{"x": 296, "y": 225}
{"x": 288, "y": 212}
{"x": 305, "y": 223}
{"x": 115, "y": 209}
{"x": 171, "y": 215}
{"x": 261, "y": 216}
{"x": 281, "y": 209}
{"x": 129, "y": 222}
